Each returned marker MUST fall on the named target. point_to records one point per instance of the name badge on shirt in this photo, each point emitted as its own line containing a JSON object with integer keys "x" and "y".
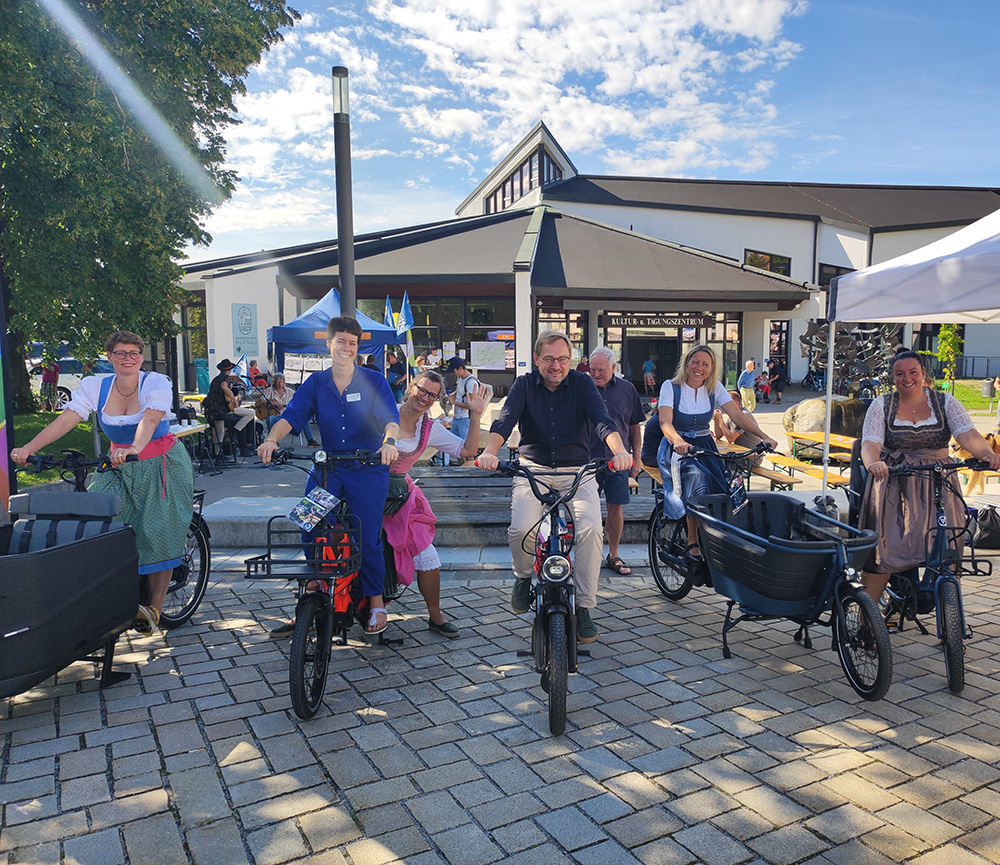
{"x": 354, "y": 397}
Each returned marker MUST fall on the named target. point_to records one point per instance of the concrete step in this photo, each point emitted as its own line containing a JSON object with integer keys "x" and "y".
{"x": 466, "y": 517}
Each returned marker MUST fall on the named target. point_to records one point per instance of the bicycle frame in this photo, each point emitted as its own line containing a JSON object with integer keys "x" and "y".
{"x": 942, "y": 563}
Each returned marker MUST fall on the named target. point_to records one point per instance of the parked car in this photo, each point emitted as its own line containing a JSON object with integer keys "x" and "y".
{"x": 70, "y": 374}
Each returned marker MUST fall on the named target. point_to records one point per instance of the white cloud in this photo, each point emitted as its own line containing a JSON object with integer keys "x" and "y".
{"x": 594, "y": 71}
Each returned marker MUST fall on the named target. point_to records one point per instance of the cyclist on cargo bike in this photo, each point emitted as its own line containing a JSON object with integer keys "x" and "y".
{"x": 355, "y": 411}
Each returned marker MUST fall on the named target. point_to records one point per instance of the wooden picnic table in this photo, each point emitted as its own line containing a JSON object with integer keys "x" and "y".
{"x": 814, "y": 438}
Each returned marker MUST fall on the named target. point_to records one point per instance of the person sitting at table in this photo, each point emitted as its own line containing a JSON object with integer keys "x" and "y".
{"x": 685, "y": 406}
{"x": 408, "y": 519}
{"x": 728, "y": 431}
{"x": 273, "y": 401}
{"x": 221, "y": 405}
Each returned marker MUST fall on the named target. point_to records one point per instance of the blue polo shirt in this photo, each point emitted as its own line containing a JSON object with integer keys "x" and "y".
{"x": 353, "y": 420}
{"x": 746, "y": 379}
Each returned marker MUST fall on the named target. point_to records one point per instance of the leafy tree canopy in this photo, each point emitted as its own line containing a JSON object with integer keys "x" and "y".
{"x": 93, "y": 214}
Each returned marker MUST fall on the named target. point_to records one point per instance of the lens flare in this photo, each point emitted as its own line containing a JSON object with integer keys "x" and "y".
{"x": 141, "y": 108}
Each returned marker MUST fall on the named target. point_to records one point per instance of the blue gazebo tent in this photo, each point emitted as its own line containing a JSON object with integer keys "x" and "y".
{"x": 307, "y": 333}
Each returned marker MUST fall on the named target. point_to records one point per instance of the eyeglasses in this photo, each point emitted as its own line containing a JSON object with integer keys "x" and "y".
{"x": 131, "y": 355}
{"x": 426, "y": 394}
{"x": 562, "y": 361}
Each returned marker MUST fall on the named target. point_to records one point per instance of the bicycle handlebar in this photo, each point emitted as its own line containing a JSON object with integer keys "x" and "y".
{"x": 283, "y": 456}
{"x": 534, "y": 477}
{"x": 759, "y": 448}
{"x": 70, "y": 461}
{"x": 973, "y": 464}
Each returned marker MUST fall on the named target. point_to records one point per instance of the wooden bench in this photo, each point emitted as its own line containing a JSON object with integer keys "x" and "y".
{"x": 793, "y": 465}
{"x": 779, "y": 480}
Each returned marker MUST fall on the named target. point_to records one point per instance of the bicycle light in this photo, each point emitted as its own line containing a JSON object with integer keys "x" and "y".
{"x": 319, "y": 456}
{"x": 556, "y": 568}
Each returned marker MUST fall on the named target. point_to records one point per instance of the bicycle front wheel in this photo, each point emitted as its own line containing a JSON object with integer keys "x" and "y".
{"x": 310, "y": 655}
{"x": 189, "y": 579}
{"x": 667, "y": 536}
{"x": 863, "y": 644}
{"x": 557, "y": 672}
{"x": 954, "y": 644}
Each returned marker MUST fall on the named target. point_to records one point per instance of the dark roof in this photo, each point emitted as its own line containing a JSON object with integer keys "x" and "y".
{"x": 464, "y": 250}
{"x": 321, "y": 253}
{"x": 881, "y": 208}
{"x": 577, "y": 257}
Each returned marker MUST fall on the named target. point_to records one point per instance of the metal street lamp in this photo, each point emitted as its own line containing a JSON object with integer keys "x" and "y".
{"x": 345, "y": 210}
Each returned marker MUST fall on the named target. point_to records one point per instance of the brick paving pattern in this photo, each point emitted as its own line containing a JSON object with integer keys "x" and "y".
{"x": 438, "y": 751}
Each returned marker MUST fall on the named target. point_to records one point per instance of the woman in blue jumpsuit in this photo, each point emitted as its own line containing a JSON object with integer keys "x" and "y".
{"x": 354, "y": 410}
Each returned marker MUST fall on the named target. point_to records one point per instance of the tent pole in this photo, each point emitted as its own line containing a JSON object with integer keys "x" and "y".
{"x": 829, "y": 401}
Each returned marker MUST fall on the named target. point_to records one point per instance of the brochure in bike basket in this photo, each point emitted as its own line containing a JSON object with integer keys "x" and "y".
{"x": 311, "y": 508}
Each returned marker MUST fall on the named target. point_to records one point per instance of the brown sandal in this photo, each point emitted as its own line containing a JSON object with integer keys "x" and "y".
{"x": 616, "y": 564}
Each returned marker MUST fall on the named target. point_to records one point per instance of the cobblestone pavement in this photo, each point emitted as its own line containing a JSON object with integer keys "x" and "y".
{"x": 439, "y": 751}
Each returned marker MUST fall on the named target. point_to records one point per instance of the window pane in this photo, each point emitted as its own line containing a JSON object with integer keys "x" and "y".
{"x": 496, "y": 312}
{"x": 451, "y": 312}
{"x": 424, "y": 312}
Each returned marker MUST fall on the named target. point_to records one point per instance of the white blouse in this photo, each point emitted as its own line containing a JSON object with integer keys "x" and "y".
{"x": 692, "y": 401}
{"x": 154, "y": 393}
{"x": 440, "y": 439}
{"x": 957, "y": 417}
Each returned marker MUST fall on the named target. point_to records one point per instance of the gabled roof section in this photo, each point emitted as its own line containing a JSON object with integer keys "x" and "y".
{"x": 578, "y": 257}
{"x": 323, "y": 252}
{"x": 877, "y": 208}
{"x": 466, "y": 250}
{"x": 539, "y": 134}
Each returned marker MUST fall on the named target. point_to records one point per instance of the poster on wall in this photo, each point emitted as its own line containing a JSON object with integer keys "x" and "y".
{"x": 489, "y": 355}
{"x": 245, "y": 329}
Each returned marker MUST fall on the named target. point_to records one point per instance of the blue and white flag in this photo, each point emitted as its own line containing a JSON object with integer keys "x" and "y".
{"x": 240, "y": 369}
{"x": 405, "y": 316}
{"x": 389, "y": 319}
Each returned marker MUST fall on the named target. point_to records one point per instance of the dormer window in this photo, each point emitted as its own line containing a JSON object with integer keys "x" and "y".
{"x": 523, "y": 179}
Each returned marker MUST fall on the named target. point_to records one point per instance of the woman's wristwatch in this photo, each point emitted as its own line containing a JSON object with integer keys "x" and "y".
{"x": 389, "y": 440}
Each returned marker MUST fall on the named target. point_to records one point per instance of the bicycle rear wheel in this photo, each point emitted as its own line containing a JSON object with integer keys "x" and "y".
{"x": 189, "y": 579}
{"x": 863, "y": 644}
{"x": 667, "y": 536}
{"x": 954, "y": 644}
{"x": 557, "y": 672}
{"x": 309, "y": 657}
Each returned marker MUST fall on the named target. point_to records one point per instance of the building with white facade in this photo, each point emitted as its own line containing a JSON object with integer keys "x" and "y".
{"x": 644, "y": 265}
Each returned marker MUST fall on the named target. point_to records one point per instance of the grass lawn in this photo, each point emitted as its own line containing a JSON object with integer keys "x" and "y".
{"x": 26, "y": 426}
{"x": 969, "y": 392}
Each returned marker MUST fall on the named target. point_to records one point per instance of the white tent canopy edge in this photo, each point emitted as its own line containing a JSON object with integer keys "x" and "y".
{"x": 954, "y": 280}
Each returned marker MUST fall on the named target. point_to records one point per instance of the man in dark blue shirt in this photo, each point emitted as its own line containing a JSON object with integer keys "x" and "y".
{"x": 555, "y": 409}
{"x": 625, "y": 411}
{"x": 354, "y": 410}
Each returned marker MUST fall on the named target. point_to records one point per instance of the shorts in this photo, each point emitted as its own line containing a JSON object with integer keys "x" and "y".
{"x": 614, "y": 485}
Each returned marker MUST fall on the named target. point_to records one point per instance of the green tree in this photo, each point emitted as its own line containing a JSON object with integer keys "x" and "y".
{"x": 949, "y": 351}
{"x": 93, "y": 214}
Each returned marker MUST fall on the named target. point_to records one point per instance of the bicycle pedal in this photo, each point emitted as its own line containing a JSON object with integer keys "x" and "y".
{"x": 583, "y": 653}
{"x": 525, "y": 653}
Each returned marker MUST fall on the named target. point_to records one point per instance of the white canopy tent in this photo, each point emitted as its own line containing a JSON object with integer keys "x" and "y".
{"x": 953, "y": 280}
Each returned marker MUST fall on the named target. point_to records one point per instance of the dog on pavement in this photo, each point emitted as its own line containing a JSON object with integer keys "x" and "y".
{"x": 976, "y": 480}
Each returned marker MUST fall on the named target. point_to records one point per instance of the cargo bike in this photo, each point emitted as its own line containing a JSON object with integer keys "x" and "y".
{"x": 325, "y": 562}
{"x": 774, "y": 558}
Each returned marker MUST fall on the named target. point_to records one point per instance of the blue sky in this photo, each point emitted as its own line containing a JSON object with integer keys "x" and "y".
{"x": 882, "y": 91}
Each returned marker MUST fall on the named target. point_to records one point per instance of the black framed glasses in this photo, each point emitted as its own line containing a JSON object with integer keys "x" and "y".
{"x": 426, "y": 394}
{"x": 131, "y": 355}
